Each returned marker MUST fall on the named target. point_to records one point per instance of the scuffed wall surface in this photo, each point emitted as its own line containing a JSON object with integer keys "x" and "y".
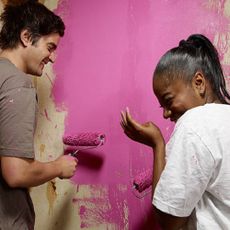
{"x": 105, "y": 63}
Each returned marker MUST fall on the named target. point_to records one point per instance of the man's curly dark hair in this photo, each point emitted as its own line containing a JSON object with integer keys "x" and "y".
{"x": 32, "y": 16}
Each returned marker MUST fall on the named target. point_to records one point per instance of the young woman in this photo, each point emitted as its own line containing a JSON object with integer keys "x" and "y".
{"x": 191, "y": 175}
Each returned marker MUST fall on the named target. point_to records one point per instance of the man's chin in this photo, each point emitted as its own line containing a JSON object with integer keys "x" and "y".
{"x": 35, "y": 75}
{"x": 38, "y": 73}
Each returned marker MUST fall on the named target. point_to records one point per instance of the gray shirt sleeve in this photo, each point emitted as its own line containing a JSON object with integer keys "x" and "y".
{"x": 17, "y": 122}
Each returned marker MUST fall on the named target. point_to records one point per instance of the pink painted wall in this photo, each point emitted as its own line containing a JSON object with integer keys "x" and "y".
{"x": 105, "y": 63}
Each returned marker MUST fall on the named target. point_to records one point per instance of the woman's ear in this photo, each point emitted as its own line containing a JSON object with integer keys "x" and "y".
{"x": 25, "y": 38}
{"x": 199, "y": 83}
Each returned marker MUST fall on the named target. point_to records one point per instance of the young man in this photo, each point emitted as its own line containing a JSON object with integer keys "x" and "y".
{"x": 29, "y": 36}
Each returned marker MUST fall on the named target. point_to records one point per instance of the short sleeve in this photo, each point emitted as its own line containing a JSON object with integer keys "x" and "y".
{"x": 17, "y": 122}
{"x": 189, "y": 167}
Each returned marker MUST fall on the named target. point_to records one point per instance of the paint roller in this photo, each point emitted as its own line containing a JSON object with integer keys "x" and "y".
{"x": 143, "y": 180}
{"x": 85, "y": 140}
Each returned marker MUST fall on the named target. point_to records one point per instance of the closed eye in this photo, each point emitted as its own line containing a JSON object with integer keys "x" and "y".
{"x": 51, "y": 47}
{"x": 167, "y": 103}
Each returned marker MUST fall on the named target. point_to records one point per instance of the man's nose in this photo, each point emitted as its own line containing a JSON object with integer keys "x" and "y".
{"x": 52, "y": 57}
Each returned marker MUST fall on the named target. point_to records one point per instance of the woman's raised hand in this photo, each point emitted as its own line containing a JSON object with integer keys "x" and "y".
{"x": 147, "y": 133}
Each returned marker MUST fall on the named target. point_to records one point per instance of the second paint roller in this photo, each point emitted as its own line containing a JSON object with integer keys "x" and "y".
{"x": 84, "y": 140}
{"x": 143, "y": 180}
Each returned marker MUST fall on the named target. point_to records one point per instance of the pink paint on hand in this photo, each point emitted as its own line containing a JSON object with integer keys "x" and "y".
{"x": 84, "y": 139}
{"x": 143, "y": 180}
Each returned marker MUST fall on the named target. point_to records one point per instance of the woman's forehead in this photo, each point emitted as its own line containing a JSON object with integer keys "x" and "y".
{"x": 162, "y": 80}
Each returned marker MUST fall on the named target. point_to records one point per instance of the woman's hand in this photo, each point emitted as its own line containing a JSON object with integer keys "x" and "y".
{"x": 147, "y": 133}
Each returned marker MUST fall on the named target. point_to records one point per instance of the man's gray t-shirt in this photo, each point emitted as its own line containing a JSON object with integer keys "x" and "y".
{"x": 17, "y": 126}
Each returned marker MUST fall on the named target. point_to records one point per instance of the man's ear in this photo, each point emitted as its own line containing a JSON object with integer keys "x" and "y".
{"x": 199, "y": 83}
{"x": 25, "y": 38}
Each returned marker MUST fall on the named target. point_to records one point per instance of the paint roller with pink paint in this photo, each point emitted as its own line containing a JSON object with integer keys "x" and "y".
{"x": 143, "y": 180}
{"x": 84, "y": 140}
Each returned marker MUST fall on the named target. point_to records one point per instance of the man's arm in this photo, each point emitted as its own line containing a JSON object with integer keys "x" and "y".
{"x": 23, "y": 172}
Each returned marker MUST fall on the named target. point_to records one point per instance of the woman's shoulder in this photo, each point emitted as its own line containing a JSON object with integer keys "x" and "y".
{"x": 207, "y": 111}
{"x": 205, "y": 117}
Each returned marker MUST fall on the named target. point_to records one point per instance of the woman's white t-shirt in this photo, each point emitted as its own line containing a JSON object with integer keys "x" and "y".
{"x": 196, "y": 178}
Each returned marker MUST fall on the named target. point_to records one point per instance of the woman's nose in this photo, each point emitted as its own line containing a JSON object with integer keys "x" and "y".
{"x": 167, "y": 113}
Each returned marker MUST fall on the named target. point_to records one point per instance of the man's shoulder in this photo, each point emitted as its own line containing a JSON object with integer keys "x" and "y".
{"x": 12, "y": 77}
{"x": 7, "y": 68}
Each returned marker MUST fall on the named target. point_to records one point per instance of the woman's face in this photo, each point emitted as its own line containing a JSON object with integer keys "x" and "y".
{"x": 176, "y": 97}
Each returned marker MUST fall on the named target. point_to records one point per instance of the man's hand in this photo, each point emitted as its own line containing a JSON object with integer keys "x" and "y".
{"x": 67, "y": 166}
{"x": 147, "y": 133}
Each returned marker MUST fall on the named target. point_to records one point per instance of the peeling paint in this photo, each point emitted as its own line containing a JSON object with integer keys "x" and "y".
{"x": 226, "y": 11}
{"x": 96, "y": 210}
{"x": 51, "y": 195}
{"x": 42, "y": 149}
